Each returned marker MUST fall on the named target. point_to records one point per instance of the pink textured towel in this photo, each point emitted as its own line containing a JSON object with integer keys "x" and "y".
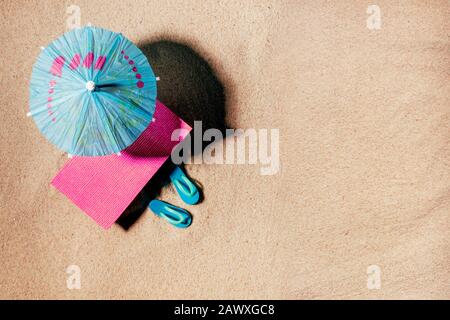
{"x": 103, "y": 187}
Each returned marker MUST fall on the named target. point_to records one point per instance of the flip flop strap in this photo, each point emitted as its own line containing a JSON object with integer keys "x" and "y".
{"x": 188, "y": 183}
{"x": 173, "y": 214}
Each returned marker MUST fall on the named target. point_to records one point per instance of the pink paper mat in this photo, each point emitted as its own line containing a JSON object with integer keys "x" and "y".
{"x": 103, "y": 187}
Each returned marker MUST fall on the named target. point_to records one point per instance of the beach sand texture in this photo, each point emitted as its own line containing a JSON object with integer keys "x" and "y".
{"x": 364, "y": 147}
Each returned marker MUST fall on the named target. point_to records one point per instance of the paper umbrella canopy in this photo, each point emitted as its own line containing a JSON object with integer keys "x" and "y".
{"x": 92, "y": 92}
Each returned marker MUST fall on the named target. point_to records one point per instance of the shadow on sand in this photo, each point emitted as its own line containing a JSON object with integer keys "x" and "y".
{"x": 191, "y": 89}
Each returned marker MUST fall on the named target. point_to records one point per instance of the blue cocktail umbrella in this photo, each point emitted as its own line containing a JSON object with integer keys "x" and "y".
{"x": 92, "y": 92}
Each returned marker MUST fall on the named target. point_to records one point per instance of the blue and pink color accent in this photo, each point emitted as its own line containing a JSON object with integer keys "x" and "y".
{"x": 88, "y": 120}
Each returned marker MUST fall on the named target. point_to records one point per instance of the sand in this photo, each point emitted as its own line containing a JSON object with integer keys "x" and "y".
{"x": 363, "y": 118}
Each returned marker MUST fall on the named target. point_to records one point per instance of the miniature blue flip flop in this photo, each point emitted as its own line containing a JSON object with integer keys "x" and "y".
{"x": 174, "y": 215}
{"x": 186, "y": 189}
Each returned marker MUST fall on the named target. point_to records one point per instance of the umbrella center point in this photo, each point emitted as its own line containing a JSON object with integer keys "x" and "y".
{"x": 90, "y": 85}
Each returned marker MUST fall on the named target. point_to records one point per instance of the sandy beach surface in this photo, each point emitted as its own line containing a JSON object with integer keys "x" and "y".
{"x": 358, "y": 209}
